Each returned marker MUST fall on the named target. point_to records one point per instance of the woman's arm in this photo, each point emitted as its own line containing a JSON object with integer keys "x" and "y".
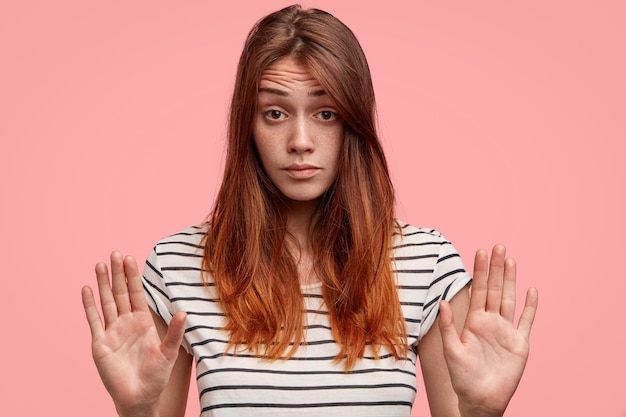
{"x": 173, "y": 400}
{"x": 484, "y": 353}
{"x": 442, "y": 399}
{"x": 136, "y": 359}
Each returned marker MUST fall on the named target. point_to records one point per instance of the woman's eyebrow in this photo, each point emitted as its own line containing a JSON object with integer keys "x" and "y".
{"x": 275, "y": 91}
{"x": 283, "y": 93}
{"x": 316, "y": 93}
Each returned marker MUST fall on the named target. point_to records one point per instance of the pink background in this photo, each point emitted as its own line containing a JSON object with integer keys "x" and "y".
{"x": 502, "y": 121}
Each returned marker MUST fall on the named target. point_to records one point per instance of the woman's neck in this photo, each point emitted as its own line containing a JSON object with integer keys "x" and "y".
{"x": 299, "y": 216}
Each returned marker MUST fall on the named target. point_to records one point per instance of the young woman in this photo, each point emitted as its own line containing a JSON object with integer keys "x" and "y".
{"x": 301, "y": 294}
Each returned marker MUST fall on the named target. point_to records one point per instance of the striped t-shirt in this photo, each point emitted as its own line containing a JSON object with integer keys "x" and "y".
{"x": 311, "y": 382}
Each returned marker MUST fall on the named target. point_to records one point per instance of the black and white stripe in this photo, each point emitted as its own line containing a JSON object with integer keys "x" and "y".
{"x": 311, "y": 382}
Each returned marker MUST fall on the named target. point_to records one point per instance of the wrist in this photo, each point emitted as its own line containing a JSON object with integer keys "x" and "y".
{"x": 139, "y": 410}
{"x": 468, "y": 410}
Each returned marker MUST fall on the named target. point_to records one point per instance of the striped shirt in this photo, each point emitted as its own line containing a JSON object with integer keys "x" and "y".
{"x": 311, "y": 382}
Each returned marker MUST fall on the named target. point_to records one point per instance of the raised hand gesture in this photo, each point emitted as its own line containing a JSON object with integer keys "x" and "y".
{"x": 133, "y": 362}
{"x": 487, "y": 360}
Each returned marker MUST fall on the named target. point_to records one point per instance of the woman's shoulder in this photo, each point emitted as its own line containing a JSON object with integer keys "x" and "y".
{"x": 406, "y": 231}
{"x": 419, "y": 242}
{"x": 191, "y": 237}
{"x": 175, "y": 257}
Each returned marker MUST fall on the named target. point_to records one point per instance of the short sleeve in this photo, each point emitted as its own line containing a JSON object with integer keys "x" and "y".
{"x": 156, "y": 291}
{"x": 448, "y": 278}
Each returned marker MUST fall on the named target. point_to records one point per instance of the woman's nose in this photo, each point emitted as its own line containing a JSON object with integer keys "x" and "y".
{"x": 301, "y": 138}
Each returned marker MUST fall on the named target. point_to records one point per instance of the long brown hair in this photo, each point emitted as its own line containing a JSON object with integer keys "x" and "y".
{"x": 245, "y": 247}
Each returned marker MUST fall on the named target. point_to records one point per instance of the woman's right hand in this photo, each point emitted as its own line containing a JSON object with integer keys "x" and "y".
{"x": 133, "y": 362}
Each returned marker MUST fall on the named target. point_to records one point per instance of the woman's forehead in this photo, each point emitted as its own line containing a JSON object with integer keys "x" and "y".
{"x": 288, "y": 72}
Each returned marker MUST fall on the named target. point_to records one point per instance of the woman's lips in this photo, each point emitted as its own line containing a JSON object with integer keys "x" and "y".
{"x": 302, "y": 171}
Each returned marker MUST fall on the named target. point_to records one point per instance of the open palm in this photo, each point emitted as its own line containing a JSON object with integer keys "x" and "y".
{"x": 487, "y": 360}
{"x": 133, "y": 362}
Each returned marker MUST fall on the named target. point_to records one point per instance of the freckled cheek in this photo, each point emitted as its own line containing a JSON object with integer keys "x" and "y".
{"x": 329, "y": 135}
{"x": 264, "y": 141}
{"x": 334, "y": 144}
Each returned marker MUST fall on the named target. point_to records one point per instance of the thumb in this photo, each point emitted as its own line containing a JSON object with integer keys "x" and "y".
{"x": 449, "y": 335}
{"x": 174, "y": 336}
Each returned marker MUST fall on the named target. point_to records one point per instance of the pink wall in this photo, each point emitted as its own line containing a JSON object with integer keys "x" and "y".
{"x": 503, "y": 122}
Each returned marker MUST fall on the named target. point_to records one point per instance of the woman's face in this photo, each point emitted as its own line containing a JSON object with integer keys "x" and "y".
{"x": 297, "y": 131}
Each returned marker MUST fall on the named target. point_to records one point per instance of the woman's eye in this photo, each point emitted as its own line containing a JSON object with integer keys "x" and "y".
{"x": 327, "y": 115}
{"x": 275, "y": 114}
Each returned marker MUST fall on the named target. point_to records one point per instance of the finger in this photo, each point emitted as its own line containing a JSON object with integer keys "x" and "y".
{"x": 449, "y": 336}
{"x": 479, "y": 281}
{"x": 528, "y": 314}
{"x": 120, "y": 287}
{"x": 174, "y": 336}
{"x": 507, "y": 308}
{"x": 135, "y": 288}
{"x": 107, "y": 302}
{"x": 496, "y": 278}
{"x": 93, "y": 317}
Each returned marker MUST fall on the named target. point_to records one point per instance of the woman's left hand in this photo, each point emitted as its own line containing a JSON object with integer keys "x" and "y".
{"x": 487, "y": 360}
